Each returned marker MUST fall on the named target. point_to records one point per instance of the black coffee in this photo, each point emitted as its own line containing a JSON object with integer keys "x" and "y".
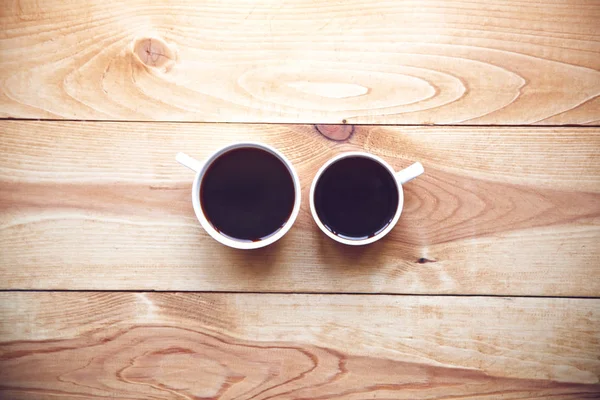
{"x": 356, "y": 198}
{"x": 247, "y": 194}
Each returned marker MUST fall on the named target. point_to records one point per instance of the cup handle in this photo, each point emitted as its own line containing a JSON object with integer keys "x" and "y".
{"x": 189, "y": 162}
{"x": 410, "y": 173}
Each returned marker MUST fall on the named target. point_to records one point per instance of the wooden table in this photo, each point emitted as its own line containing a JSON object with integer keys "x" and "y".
{"x": 488, "y": 288}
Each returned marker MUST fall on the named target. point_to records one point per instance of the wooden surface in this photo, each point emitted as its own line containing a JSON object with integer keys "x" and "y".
{"x": 392, "y": 62}
{"x": 261, "y": 346}
{"x": 97, "y": 97}
{"x": 499, "y": 211}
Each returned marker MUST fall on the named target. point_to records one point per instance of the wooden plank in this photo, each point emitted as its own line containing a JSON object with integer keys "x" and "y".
{"x": 392, "y": 62}
{"x": 511, "y": 211}
{"x": 272, "y": 346}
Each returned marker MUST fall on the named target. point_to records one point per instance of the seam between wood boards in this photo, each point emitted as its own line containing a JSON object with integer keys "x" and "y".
{"x": 291, "y": 292}
{"x": 300, "y": 123}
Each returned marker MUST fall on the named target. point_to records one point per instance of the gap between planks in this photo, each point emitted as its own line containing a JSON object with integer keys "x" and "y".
{"x": 588, "y": 126}
{"x": 295, "y": 293}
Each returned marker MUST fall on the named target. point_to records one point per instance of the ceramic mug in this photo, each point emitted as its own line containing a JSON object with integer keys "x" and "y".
{"x": 388, "y": 183}
{"x": 201, "y": 168}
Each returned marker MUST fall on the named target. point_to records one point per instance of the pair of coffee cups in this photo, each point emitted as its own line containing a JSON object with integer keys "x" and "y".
{"x": 247, "y": 195}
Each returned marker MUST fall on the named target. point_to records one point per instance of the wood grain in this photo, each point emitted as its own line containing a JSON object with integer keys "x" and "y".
{"x": 392, "y": 62}
{"x": 499, "y": 211}
{"x": 271, "y": 346}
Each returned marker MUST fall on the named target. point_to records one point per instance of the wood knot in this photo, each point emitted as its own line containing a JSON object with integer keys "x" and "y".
{"x": 335, "y": 132}
{"x": 154, "y": 53}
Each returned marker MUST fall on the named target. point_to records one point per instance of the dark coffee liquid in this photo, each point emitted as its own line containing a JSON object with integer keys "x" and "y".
{"x": 356, "y": 198}
{"x": 247, "y": 194}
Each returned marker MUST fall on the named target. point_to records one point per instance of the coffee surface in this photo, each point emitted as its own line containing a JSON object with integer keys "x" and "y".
{"x": 356, "y": 198}
{"x": 247, "y": 194}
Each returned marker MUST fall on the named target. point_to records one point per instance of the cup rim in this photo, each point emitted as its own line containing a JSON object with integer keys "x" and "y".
{"x": 231, "y": 242}
{"x": 381, "y": 234}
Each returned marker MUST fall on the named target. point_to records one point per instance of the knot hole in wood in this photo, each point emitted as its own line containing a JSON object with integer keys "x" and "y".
{"x": 336, "y": 132}
{"x": 155, "y": 53}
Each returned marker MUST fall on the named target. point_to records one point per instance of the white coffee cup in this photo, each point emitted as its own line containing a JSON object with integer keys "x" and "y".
{"x": 200, "y": 167}
{"x": 399, "y": 178}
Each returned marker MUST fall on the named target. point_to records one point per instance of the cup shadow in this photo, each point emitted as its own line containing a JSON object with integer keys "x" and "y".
{"x": 338, "y": 256}
{"x": 257, "y": 262}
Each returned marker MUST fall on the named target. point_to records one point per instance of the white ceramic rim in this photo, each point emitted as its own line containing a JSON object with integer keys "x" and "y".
{"x": 239, "y": 244}
{"x": 380, "y": 234}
